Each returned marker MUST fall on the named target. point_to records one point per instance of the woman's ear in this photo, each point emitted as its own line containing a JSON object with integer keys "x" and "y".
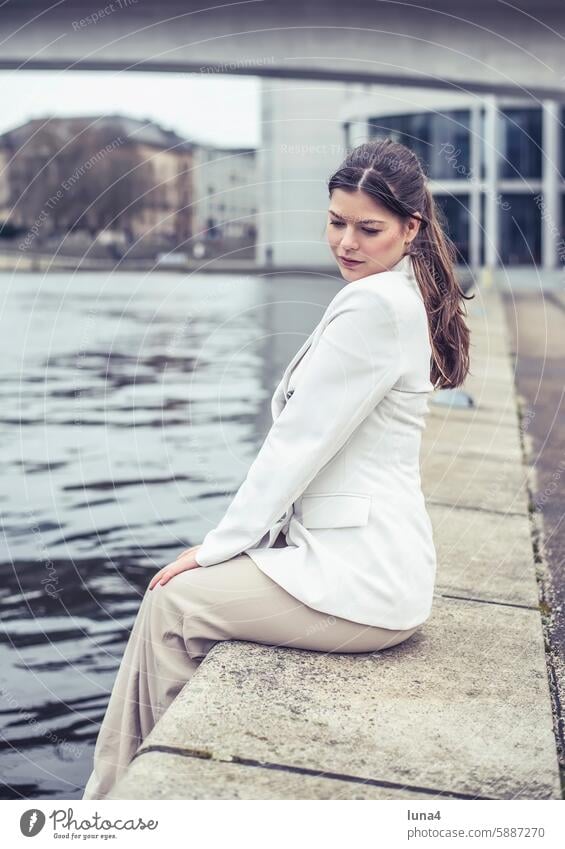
{"x": 412, "y": 228}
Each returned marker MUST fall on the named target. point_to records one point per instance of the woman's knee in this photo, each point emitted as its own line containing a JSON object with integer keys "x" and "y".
{"x": 182, "y": 599}
{"x": 169, "y": 591}
{"x": 164, "y": 610}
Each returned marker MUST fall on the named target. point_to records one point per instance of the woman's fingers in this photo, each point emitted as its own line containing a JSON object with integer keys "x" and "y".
{"x": 176, "y": 570}
{"x": 170, "y": 573}
{"x": 171, "y": 569}
{"x": 157, "y": 577}
{"x": 187, "y": 551}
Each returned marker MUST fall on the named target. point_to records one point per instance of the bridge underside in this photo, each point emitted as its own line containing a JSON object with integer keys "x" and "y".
{"x": 475, "y": 47}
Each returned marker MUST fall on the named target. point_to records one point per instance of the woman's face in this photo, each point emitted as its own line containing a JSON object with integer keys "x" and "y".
{"x": 361, "y": 228}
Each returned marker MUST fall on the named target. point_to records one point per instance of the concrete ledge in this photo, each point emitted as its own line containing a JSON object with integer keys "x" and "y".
{"x": 178, "y": 775}
{"x": 460, "y": 710}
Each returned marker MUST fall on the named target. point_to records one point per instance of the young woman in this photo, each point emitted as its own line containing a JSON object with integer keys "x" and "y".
{"x": 327, "y": 545}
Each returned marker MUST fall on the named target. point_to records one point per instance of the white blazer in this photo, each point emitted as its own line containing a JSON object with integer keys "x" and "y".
{"x": 339, "y": 470}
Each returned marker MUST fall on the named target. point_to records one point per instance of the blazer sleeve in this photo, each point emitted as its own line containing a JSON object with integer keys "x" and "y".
{"x": 354, "y": 363}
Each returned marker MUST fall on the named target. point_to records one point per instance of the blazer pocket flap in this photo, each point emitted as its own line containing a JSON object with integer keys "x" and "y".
{"x": 338, "y": 510}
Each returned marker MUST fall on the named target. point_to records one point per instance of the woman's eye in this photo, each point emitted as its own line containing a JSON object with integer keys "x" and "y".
{"x": 365, "y": 229}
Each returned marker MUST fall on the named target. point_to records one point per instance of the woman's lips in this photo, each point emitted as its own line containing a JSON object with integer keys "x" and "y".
{"x": 350, "y": 262}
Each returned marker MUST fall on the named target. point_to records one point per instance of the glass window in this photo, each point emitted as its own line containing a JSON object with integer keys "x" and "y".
{"x": 520, "y": 143}
{"x": 411, "y": 130}
{"x": 440, "y": 140}
{"x": 561, "y": 240}
{"x": 562, "y": 166}
{"x": 451, "y": 140}
{"x": 455, "y": 222}
{"x": 520, "y": 230}
{"x": 482, "y": 239}
{"x": 482, "y": 144}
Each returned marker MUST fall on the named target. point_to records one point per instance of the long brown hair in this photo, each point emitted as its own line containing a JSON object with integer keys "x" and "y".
{"x": 392, "y": 173}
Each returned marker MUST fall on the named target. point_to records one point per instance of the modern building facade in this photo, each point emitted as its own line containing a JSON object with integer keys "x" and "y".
{"x": 496, "y": 168}
{"x": 495, "y": 165}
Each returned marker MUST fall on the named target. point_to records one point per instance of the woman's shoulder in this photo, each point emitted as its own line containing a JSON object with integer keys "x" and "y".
{"x": 388, "y": 292}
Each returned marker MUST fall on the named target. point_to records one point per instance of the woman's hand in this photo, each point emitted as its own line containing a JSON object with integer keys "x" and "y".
{"x": 184, "y": 561}
{"x": 186, "y": 551}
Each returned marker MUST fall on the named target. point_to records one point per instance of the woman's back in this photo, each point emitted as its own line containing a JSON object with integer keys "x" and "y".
{"x": 363, "y": 516}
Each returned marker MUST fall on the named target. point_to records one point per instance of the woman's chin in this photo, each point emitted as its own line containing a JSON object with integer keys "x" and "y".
{"x": 352, "y": 273}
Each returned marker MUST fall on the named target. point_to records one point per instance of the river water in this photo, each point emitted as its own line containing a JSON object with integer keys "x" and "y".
{"x": 132, "y": 407}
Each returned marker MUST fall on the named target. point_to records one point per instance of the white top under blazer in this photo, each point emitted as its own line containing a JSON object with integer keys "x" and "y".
{"x": 339, "y": 470}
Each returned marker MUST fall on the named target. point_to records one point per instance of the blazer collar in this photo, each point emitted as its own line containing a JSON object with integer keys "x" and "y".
{"x": 404, "y": 264}
{"x": 406, "y": 267}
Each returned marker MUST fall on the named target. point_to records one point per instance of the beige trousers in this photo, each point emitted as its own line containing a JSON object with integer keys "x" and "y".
{"x": 176, "y": 626}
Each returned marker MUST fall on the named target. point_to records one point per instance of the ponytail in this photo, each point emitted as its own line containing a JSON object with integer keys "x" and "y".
{"x": 433, "y": 255}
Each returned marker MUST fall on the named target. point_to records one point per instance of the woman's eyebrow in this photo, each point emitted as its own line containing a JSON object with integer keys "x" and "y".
{"x": 364, "y": 221}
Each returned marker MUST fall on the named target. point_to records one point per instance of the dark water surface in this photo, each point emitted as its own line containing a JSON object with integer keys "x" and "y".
{"x": 132, "y": 407}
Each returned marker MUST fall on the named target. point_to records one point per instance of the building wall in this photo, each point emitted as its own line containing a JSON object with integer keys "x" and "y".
{"x": 139, "y": 187}
{"x": 169, "y": 212}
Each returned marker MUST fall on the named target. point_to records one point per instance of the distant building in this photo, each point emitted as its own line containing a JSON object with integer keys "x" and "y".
{"x": 110, "y": 173}
{"x": 225, "y": 182}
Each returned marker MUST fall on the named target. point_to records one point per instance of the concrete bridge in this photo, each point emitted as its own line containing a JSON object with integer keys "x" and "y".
{"x": 497, "y": 48}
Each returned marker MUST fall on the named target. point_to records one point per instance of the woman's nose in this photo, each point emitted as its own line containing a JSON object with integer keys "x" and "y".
{"x": 349, "y": 240}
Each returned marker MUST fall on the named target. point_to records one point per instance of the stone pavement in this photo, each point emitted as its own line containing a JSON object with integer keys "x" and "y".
{"x": 536, "y": 321}
{"x": 461, "y": 710}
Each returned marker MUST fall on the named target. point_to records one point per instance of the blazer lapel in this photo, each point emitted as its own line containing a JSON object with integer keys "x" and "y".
{"x": 279, "y": 396}
{"x": 297, "y": 357}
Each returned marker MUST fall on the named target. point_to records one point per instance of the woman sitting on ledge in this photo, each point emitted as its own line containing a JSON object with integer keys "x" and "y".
{"x": 327, "y": 544}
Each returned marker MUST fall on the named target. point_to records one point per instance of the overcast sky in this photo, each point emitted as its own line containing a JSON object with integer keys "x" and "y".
{"x": 218, "y": 109}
